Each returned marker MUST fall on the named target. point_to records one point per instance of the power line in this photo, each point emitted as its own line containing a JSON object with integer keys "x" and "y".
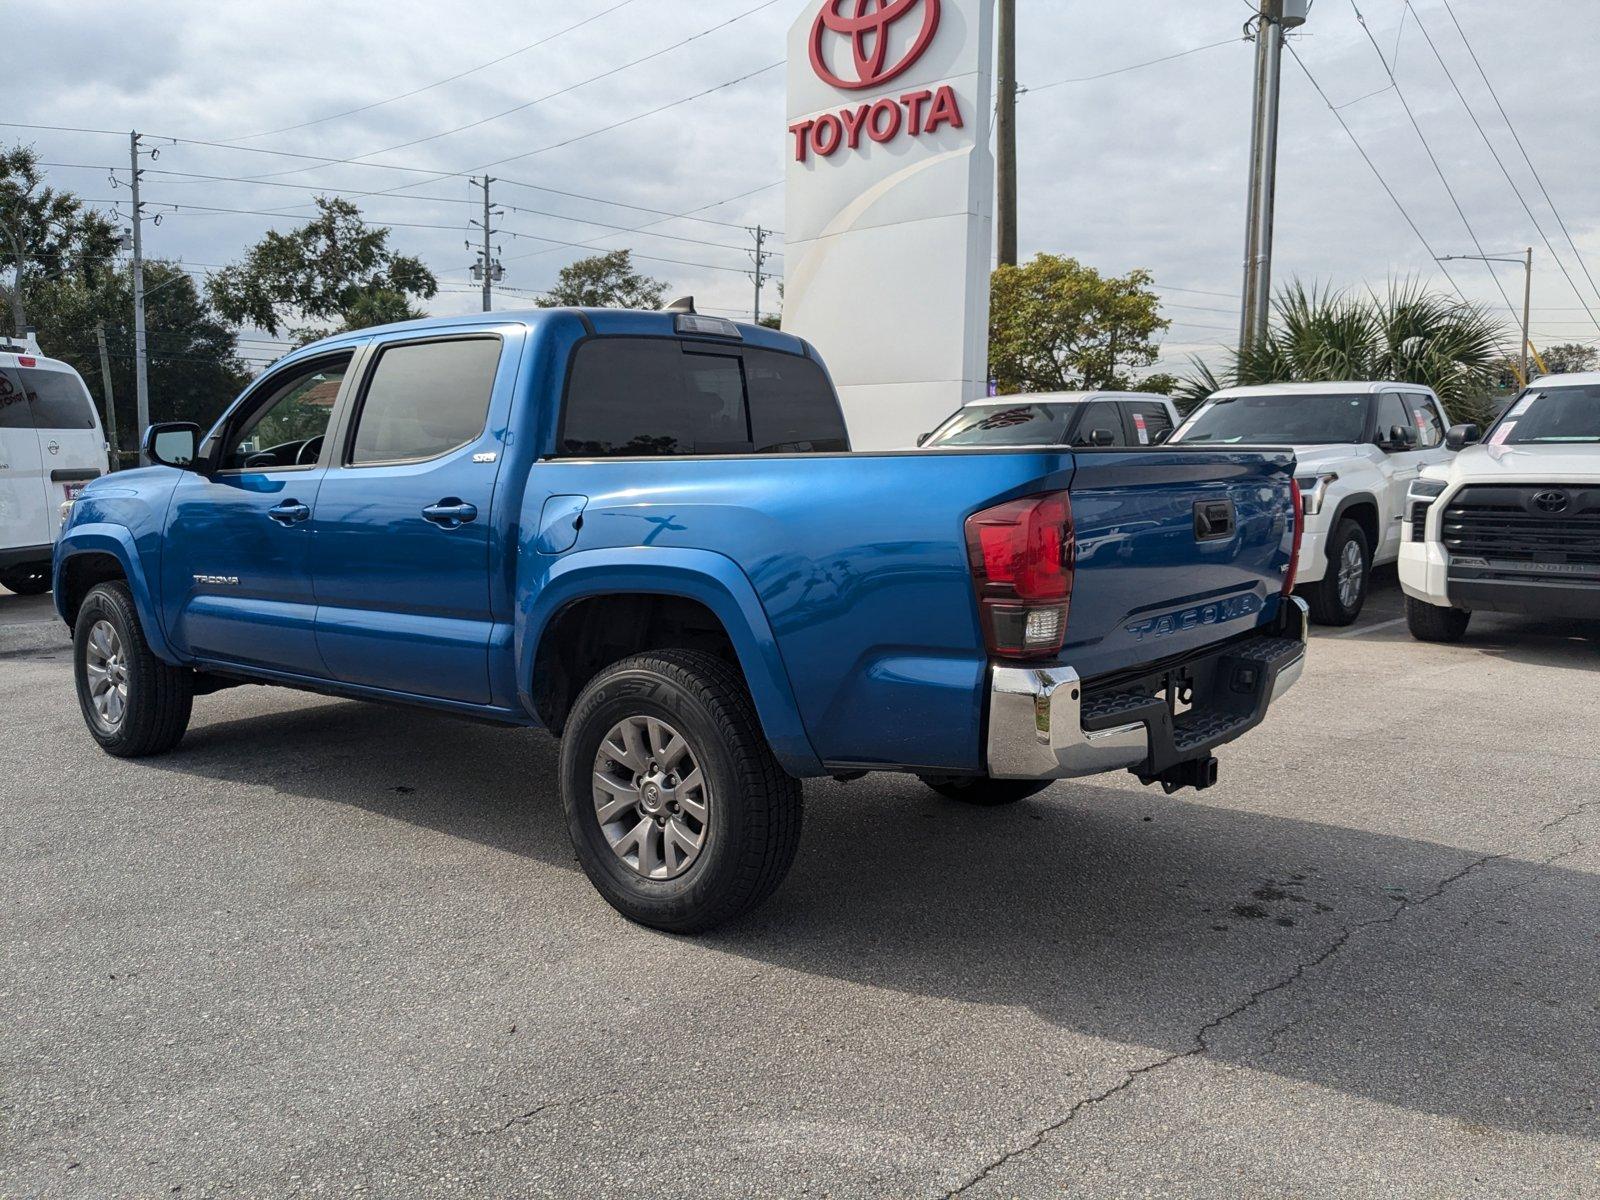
{"x": 1505, "y": 116}
{"x": 1499, "y": 162}
{"x": 1233, "y": 41}
{"x": 1433, "y": 158}
{"x": 562, "y": 91}
{"x": 350, "y": 112}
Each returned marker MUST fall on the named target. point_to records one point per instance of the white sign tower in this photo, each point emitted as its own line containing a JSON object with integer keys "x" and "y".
{"x": 889, "y": 227}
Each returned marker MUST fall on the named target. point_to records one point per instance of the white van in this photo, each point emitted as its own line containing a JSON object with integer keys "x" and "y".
{"x": 51, "y": 445}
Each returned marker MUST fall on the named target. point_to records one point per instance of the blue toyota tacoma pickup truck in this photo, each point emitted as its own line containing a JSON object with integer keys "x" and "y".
{"x": 646, "y": 533}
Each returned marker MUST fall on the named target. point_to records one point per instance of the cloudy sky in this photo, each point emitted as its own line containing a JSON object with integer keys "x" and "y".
{"x": 608, "y": 121}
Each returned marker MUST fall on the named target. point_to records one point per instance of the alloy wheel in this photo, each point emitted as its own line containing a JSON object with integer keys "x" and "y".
{"x": 651, "y": 799}
{"x": 1352, "y": 566}
{"x": 105, "y": 667}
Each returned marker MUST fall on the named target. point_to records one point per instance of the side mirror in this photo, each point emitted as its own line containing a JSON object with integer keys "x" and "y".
{"x": 1160, "y": 438}
{"x": 173, "y": 444}
{"x": 1460, "y": 437}
{"x": 1394, "y": 440}
{"x": 1101, "y": 437}
{"x": 922, "y": 438}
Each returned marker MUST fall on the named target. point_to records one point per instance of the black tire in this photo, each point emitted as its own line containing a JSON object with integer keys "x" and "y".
{"x": 1327, "y": 607}
{"x": 753, "y": 828}
{"x": 984, "y": 792}
{"x": 1433, "y": 623}
{"x": 159, "y": 697}
{"x": 27, "y": 581}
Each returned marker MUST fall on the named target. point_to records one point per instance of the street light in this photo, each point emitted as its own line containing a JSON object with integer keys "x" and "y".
{"x": 1526, "y": 262}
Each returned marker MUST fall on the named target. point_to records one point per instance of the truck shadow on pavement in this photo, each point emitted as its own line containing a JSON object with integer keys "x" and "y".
{"x": 1443, "y": 980}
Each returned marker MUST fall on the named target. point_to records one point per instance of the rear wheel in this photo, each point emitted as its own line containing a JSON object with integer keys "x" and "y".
{"x": 27, "y": 581}
{"x": 984, "y": 792}
{"x": 1337, "y": 598}
{"x": 679, "y": 813}
{"x": 1433, "y": 623}
{"x": 134, "y": 704}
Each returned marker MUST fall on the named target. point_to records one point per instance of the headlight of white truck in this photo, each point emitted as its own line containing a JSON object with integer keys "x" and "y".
{"x": 1425, "y": 491}
{"x": 1314, "y": 490}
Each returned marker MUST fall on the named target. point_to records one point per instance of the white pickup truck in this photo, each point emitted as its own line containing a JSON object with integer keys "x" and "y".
{"x": 1512, "y": 524}
{"x": 1357, "y": 447}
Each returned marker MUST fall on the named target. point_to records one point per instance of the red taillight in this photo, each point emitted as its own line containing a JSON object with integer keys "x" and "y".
{"x": 1299, "y": 502}
{"x": 27, "y": 360}
{"x": 1021, "y": 554}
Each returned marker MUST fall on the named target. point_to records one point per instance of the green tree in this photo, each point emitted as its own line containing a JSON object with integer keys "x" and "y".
{"x": 194, "y": 370}
{"x": 1409, "y": 335}
{"x": 59, "y": 238}
{"x": 1057, "y": 325}
{"x": 604, "y": 281}
{"x": 334, "y": 273}
{"x": 1558, "y": 360}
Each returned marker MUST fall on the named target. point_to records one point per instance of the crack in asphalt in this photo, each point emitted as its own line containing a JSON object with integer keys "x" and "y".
{"x": 1567, "y": 816}
{"x": 1201, "y": 1036}
{"x": 538, "y": 1110}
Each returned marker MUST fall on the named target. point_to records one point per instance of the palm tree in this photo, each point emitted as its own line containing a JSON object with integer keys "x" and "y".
{"x": 1410, "y": 335}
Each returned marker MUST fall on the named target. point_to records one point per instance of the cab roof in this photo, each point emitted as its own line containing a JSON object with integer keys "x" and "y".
{"x": 14, "y": 356}
{"x": 1064, "y": 398}
{"x": 1570, "y": 379}
{"x": 1335, "y": 387}
{"x": 608, "y": 322}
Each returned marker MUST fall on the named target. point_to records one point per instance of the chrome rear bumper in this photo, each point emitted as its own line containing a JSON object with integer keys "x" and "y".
{"x": 1036, "y": 714}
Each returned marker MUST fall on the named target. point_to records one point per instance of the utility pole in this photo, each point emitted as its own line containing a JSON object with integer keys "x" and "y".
{"x": 1525, "y": 261}
{"x": 1006, "y": 136}
{"x": 1273, "y": 19}
{"x": 111, "y": 399}
{"x": 18, "y": 317}
{"x": 761, "y": 255}
{"x": 488, "y": 268}
{"x": 141, "y": 370}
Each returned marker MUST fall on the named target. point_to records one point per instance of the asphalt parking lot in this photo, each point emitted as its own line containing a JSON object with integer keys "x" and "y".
{"x": 328, "y": 948}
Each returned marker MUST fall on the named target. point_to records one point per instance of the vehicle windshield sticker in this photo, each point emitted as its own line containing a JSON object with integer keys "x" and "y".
{"x": 1522, "y": 407}
{"x": 1142, "y": 430}
{"x": 1501, "y": 434}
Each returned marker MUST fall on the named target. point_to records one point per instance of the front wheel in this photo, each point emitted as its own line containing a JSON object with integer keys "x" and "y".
{"x": 1337, "y": 598}
{"x": 984, "y": 792}
{"x": 26, "y": 581}
{"x": 1433, "y": 623}
{"x": 679, "y": 813}
{"x": 134, "y": 704}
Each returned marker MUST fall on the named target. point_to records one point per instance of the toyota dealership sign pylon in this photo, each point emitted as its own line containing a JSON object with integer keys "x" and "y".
{"x": 891, "y": 206}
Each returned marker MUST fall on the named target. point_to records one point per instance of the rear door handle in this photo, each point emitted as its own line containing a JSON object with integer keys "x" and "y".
{"x": 450, "y": 513}
{"x": 289, "y": 512}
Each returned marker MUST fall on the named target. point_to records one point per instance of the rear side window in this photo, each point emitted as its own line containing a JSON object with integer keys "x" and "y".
{"x": 1150, "y": 422}
{"x": 59, "y": 399}
{"x": 425, "y": 399}
{"x": 640, "y": 397}
{"x": 14, "y": 411}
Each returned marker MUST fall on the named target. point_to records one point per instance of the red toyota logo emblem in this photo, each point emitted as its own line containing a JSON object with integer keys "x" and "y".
{"x": 869, "y": 34}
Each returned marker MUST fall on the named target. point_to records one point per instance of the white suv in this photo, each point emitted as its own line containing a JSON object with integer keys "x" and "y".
{"x": 1512, "y": 524}
{"x": 1358, "y": 446}
{"x": 50, "y": 446}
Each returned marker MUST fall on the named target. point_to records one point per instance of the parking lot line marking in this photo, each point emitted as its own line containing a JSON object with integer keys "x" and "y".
{"x": 1350, "y": 633}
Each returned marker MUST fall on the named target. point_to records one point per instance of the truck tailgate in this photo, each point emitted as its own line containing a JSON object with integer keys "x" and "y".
{"x": 1176, "y": 549}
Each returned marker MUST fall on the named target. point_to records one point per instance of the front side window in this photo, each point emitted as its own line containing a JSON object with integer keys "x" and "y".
{"x": 1020, "y": 424}
{"x": 287, "y": 429}
{"x": 1282, "y": 420}
{"x": 1426, "y": 421}
{"x": 646, "y": 397}
{"x": 1551, "y": 417}
{"x": 1395, "y": 429}
{"x": 425, "y": 399}
{"x": 59, "y": 399}
{"x": 1102, "y": 418}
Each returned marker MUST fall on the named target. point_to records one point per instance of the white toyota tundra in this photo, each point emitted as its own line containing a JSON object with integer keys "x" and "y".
{"x": 1513, "y": 523}
{"x": 1357, "y": 447}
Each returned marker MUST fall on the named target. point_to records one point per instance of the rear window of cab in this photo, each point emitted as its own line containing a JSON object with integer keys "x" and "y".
{"x": 630, "y": 397}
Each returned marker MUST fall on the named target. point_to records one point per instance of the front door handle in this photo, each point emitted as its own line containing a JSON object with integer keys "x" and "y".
{"x": 289, "y": 512}
{"x": 450, "y": 513}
